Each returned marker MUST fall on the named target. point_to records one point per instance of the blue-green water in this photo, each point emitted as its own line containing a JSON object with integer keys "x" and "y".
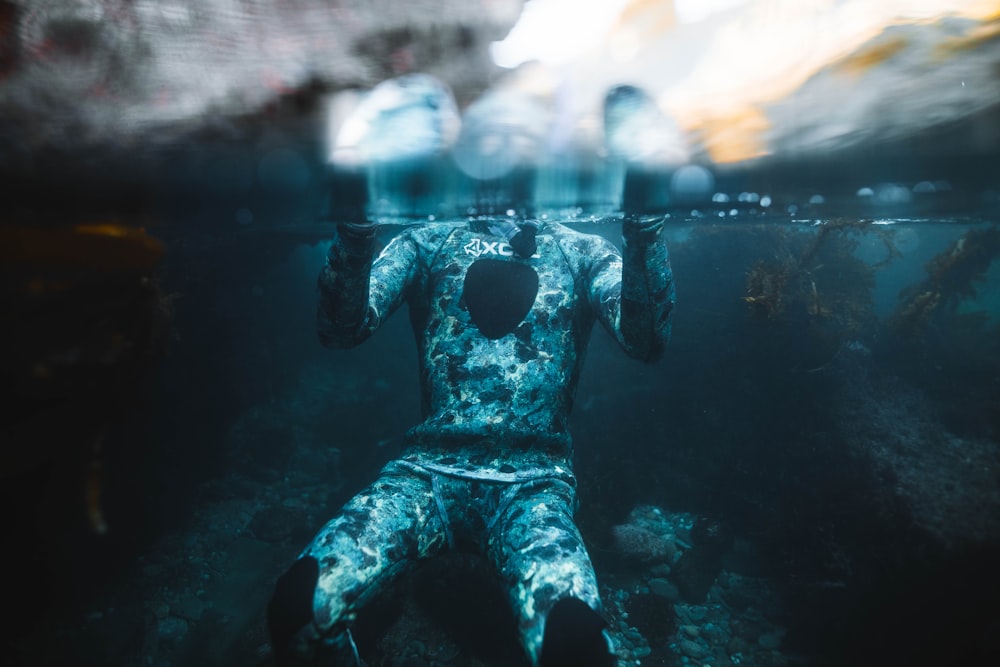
{"x": 825, "y": 422}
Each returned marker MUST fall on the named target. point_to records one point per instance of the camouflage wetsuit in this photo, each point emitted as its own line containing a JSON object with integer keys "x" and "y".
{"x": 490, "y": 465}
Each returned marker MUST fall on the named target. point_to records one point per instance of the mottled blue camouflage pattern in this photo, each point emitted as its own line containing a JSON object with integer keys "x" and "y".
{"x": 525, "y": 528}
{"x": 490, "y": 464}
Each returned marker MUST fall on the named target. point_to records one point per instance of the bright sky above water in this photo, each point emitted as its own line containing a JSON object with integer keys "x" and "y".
{"x": 542, "y": 30}
{"x": 557, "y": 31}
{"x": 712, "y": 65}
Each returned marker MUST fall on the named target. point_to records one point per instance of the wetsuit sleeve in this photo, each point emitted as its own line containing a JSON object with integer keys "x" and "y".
{"x": 357, "y": 292}
{"x": 633, "y": 293}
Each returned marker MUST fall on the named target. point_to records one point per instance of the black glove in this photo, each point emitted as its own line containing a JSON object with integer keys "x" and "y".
{"x": 638, "y": 192}
{"x": 520, "y": 237}
{"x": 349, "y": 196}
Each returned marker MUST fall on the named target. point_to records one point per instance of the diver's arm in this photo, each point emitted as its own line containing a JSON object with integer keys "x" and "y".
{"x": 633, "y": 294}
{"x": 343, "y": 286}
{"x": 356, "y": 292}
{"x": 647, "y": 288}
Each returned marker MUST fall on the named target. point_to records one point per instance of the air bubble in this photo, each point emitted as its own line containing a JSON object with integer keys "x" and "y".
{"x": 893, "y": 193}
{"x": 691, "y": 182}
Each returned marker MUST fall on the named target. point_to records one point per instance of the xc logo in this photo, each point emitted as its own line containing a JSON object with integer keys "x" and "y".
{"x": 479, "y": 247}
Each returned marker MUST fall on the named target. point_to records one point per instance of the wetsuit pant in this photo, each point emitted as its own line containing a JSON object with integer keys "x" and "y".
{"x": 524, "y": 527}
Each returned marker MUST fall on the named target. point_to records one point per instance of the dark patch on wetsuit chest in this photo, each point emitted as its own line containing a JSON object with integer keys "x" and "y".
{"x": 498, "y": 295}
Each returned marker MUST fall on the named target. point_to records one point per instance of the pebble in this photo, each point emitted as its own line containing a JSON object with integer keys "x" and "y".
{"x": 661, "y": 570}
{"x": 692, "y": 649}
{"x": 664, "y": 589}
{"x": 697, "y": 614}
{"x": 633, "y": 635}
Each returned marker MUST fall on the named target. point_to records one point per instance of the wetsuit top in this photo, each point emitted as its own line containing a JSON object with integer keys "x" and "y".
{"x": 500, "y": 338}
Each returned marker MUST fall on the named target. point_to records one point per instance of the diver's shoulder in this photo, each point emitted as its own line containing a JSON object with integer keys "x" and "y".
{"x": 560, "y": 230}
{"x": 574, "y": 241}
{"x": 429, "y": 233}
{"x": 556, "y": 229}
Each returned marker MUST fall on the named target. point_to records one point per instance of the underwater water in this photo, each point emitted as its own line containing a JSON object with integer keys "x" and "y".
{"x": 809, "y": 476}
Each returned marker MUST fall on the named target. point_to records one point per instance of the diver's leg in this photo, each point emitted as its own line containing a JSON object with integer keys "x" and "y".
{"x": 540, "y": 556}
{"x": 379, "y": 533}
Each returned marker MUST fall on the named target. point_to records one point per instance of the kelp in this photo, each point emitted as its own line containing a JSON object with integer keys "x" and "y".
{"x": 953, "y": 277}
{"x": 818, "y": 276}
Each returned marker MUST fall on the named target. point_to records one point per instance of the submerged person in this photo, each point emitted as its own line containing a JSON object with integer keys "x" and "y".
{"x": 502, "y": 312}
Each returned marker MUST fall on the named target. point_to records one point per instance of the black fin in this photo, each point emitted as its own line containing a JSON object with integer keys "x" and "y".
{"x": 574, "y": 637}
{"x": 291, "y": 607}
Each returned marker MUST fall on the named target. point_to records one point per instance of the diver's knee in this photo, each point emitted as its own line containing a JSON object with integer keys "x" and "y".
{"x": 575, "y": 637}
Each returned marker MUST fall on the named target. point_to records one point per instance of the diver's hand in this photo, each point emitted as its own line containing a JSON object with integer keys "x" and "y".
{"x": 520, "y": 237}
{"x": 349, "y": 198}
{"x": 640, "y": 222}
{"x": 637, "y": 193}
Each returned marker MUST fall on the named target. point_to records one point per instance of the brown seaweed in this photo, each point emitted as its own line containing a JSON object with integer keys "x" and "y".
{"x": 818, "y": 277}
{"x": 952, "y": 277}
